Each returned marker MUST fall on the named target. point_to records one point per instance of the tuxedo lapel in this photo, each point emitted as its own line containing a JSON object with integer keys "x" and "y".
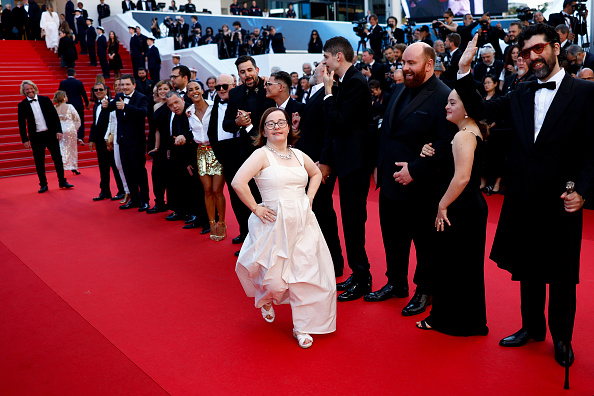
{"x": 527, "y": 107}
{"x": 314, "y": 98}
{"x": 416, "y": 102}
{"x": 557, "y": 108}
{"x": 393, "y": 104}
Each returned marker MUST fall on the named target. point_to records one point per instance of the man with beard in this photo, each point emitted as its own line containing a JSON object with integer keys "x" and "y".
{"x": 538, "y": 237}
{"x": 246, "y": 103}
{"x": 349, "y": 109}
{"x": 409, "y": 189}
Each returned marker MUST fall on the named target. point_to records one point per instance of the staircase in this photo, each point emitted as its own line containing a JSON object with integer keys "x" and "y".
{"x": 31, "y": 60}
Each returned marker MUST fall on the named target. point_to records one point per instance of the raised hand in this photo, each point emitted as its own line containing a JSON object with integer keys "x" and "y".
{"x": 120, "y": 105}
{"x": 468, "y": 56}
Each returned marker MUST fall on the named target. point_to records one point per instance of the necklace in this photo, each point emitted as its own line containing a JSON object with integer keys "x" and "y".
{"x": 285, "y": 157}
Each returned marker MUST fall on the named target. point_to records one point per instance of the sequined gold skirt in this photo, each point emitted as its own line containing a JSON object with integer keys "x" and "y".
{"x": 207, "y": 162}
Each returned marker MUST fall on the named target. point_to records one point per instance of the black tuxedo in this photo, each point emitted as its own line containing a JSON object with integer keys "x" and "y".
{"x": 132, "y": 140}
{"x": 103, "y": 11}
{"x": 145, "y": 87}
{"x": 77, "y": 97}
{"x": 136, "y": 53}
{"x": 67, "y": 50}
{"x": 574, "y": 25}
{"x": 449, "y": 75}
{"x": 537, "y": 252}
{"x": 375, "y": 38}
{"x": 378, "y": 72}
{"x": 31, "y": 20}
{"x": 102, "y": 55}
{"x": 69, "y": 14}
{"x": 277, "y": 42}
{"x": 41, "y": 140}
{"x": 91, "y": 37}
{"x": 154, "y": 63}
{"x": 128, "y": 6}
{"x": 407, "y": 212}
{"x": 159, "y": 171}
{"x": 349, "y": 108}
{"x": 81, "y": 33}
{"x": 316, "y": 141}
{"x": 105, "y": 158}
{"x": 481, "y": 70}
{"x": 398, "y": 35}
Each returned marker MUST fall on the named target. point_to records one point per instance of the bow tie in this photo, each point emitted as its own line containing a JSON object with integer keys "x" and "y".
{"x": 223, "y": 101}
{"x": 127, "y": 97}
{"x": 535, "y": 86}
{"x": 32, "y": 100}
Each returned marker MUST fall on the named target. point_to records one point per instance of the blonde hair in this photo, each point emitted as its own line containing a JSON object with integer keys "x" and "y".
{"x": 59, "y": 97}
{"x": 31, "y": 83}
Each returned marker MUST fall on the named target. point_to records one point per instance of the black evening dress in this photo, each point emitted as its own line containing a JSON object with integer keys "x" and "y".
{"x": 459, "y": 293}
{"x": 116, "y": 62}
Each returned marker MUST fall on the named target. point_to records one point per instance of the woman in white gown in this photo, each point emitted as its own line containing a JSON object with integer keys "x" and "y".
{"x": 70, "y": 122}
{"x": 50, "y": 23}
{"x": 285, "y": 259}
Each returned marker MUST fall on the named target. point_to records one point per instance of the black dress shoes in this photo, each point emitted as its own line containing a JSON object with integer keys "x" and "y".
{"x": 175, "y": 216}
{"x": 238, "y": 239}
{"x": 144, "y": 206}
{"x": 130, "y": 205}
{"x": 118, "y": 197}
{"x": 520, "y": 338}
{"x": 156, "y": 209}
{"x": 418, "y": 304}
{"x": 65, "y": 184}
{"x": 561, "y": 353}
{"x": 237, "y": 253}
{"x": 386, "y": 292}
{"x": 191, "y": 226}
{"x": 102, "y": 196}
{"x": 190, "y": 219}
{"x": 42, "y": 189}
{"x": 205, "y": 229}
{"x": 357, "y": 289}
{"x": 342, "y": 286}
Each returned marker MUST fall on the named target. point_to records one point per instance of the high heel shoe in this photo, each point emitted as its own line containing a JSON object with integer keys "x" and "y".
{"x": 221, "y": 231}
{"x": 213, "y": 230}
{"x": 75, "y": 172}
{"x": 126, "y": 199}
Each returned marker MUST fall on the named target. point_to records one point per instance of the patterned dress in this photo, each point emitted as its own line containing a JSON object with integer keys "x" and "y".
{"x": 68, "y": 144}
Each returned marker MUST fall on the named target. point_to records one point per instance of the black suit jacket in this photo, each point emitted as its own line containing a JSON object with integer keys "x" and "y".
{"x": 537, "y": 173}
{"x": 153, "y": 57}
{"x": 278, "y": 43}
{"x": 102, "y": 45}
{"x": 125, "y": 6}
{"x": 403, "y": 136}
{"x": 481, "y": 70}
{"x": 185, "y": 153}
{"x": 227, "y": 151}
{"x": 315, "y": 138}
{"x": 103, "y": 11}
{"x": 575, "y": 26}
{"x": 140, "y": 5}
{"x": 69, "y": 13}
{"x": 27, "y": 119}
{"x": 350, "y": 111}
{"x": 91, "y": 36}
{"x": 452, "y": 70}
{"x": 75, "y": 90}
{"x": 136, "y": 49}
{"x": 98, "y": 127}
{"x": 131, "y": 120}
{"x": 375, "y": 40}
{"x": 67, "y": 49}
{"x": 145, "y": 87}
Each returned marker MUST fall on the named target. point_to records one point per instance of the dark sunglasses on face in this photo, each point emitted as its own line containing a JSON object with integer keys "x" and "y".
{"x": 222, "y": 86}
{"x": 98, "y": 89}
{"x": 538, "y": 48}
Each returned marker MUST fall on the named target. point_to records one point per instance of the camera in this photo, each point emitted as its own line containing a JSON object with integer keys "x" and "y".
{"x": 579, "y": 8}
{"x": 361, "y": 66}
{"x": 360, "y": 28}
{"x": 436, "y": 25}
{"x": 525, "y": 14}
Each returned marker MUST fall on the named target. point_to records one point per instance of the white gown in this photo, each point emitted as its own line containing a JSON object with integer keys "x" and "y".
{"x": 51, "y": 25}
{"x": 287, "y": 261}
{"x": 70, "y": 122}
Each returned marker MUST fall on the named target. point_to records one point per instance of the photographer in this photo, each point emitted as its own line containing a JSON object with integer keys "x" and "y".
{"x": 490, "y": 35}
{"x": 237, "y": 40}
{"x": 512, "y": 36}
{"x": 375, "y": 35}
{"x": 464, "y": 31}
{"x": 439, "y": 28}
{"x": 425, "y": 35}
{"x": 207, "y": 37}
{"x": 223, "y": 39}
{"x": 256, "y": 43}
{"x": 276, "y": 41}
{"x": 395, "y": 35}
{"x": 195, "y": 32}
{"x": 565, "y": 17}
{"x": 371, "y": 69}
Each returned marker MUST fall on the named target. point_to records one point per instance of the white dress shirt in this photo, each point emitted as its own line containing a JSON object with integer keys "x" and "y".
{"x": 543, "y": 99}
{"x": 200, "y": 128}
{"x": 284, "y": 104}
{"x": 223, "y": 134}
{"x": 40, "y": 124}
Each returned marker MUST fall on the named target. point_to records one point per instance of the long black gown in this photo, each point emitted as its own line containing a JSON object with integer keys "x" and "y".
{"x": 459, "y": 294}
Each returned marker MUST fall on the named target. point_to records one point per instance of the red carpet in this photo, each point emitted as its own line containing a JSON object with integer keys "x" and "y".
{"x": 100, "y": 301}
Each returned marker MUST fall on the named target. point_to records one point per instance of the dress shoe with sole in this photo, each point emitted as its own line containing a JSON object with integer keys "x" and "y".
{"x": 237, "y": 253}
{"x": 387, "y": 292}
{"x": 42, "y": 189}
{"x": 238, "y": 239}
{"x": 102, "y": 196}
{"x": 131, "y": 204}
{"x": 190, "y": 219}
{"x": 357, "y": 289}
{"x": 175, "y": 216}
{"x": 561, "y": 353}
{"x": 191, "y": 226}
{"x": 119, "y": 195}
{"x": 65, "y": 184}
{"x": 342, "y": 286}
{"x": 156, "y": 209}
{"x": 418, "y": 304}
{"x": 205, "y": 229}
{"x": 143, "y": 207}
{"x": 519, "y": 338}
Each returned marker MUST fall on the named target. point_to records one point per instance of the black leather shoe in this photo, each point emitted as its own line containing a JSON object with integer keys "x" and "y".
{"x": 238, "y": 239}
{"x": 65, "y": 184}
{"x": 143, "y": 207}
{"x": 190, "y": 219}
{"x": 102, "y": 196}
{"x": 520, "y": 338}
{"x": 561, "y": 353}
{"x": 237, "y": 253}
{"x": 357, "y": 289}
{"x": 130, "y": 205}
{"x": 342, "y": 286}
{"x": 156, "y": 209}
{"x": 175, "y": 216}
{"x": 418, "y": 304}
{"x": 205, "y": 229}
{"x": 118, "y": 197}
{"x": 386, "y": 292}
{"x": 42, "y": 189}
{"x": 191, "y": 226}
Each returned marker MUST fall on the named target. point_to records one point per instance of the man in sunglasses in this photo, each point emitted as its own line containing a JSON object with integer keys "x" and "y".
{"x": 539, "y": 233}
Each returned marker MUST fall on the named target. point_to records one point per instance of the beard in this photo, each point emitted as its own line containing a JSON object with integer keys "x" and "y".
{"x": 547, "y": 67}
{"x": 417, "y": 79}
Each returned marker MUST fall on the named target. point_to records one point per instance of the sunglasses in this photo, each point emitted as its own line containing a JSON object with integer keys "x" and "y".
{"x": 224, "y": 87}
{"x": 268, "y": 84}
{"x": 538, "y": 48}
{"x": 98, "y": 89}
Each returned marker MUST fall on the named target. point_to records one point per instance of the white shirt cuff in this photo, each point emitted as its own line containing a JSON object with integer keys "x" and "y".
{"x": 327, "y": 96}
{"x": 460, "y": 75}
{"x": 249, "y": 127}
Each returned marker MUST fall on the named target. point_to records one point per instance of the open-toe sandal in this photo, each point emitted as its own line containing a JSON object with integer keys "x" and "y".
{"x": 266, "y": 313}
{"x": 423, "y": 325}
{"x": 302, "y": 339}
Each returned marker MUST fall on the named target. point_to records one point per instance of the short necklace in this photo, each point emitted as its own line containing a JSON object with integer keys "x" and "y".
{"x": 285, "y": 157}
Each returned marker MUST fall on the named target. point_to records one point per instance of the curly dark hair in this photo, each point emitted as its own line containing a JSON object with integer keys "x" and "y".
{"x": 550, "y": 34}
{"x": 260, "y": 139}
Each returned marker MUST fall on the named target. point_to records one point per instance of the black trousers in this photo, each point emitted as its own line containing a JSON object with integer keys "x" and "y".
{"x": 39, "y": 141}
{"x": 106, "y": 162}
{"x": 92, "y": 54}
{"x": 136, "y": 63}
{"x": 561, "y": 309}
{"x": 323, "y": 207}
{"x": 401, "y": 224}
{"x": 183, "y": 189}
{"x": 133, "y": 162}
{"x": 159, "y": 177}
{"x": 353, "y": 190}
{"x": 155, "y": 73}
{"x": 104, "y": 65}
{"x": 83, "y": 42}
{"x": 81, "y": 130}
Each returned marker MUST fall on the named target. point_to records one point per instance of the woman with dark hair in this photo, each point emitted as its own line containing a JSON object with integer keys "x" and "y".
{"x": 155, "y": 29}
{"x": 496, "y": 142}
{"x": 511, "y": 64}
{"x": 113, "y": 51}
{"x": 173, "y": 7}
{"x": 67, "y": 50}
{"x": 315, "y": 43}
{"x": 207, "y": 37}
{"x": 461, "y": 224}
{"x": 285, "y": 259}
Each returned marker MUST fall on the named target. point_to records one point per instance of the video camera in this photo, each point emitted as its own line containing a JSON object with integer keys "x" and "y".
{"x": 579, "y": 8}
{"x": 360, "y": 28}
{"x": 525, "y": 14}
{"x": 409, "y": 30}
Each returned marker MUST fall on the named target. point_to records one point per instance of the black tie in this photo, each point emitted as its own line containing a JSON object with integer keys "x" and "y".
{"x": 223, "y": 101}
{"x": 535, "y": 86}
{"x": 32, "y": 100}
{"x": 127, "y": 97}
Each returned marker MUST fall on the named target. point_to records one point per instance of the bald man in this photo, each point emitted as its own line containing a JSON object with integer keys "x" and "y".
{"x": 409, "y": 190}
{"x": 586, "y": 74}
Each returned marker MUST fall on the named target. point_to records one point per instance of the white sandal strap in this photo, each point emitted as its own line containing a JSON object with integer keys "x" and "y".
{"x": 302, "y": 338}
{"x": 266, "y": 313}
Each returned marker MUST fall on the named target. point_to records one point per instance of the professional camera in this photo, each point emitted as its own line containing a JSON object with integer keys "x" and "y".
{"x": 580, "y": 8}
{"x": 409, "y": 29}
{"x": 360, "y": 28}
{"x": 361, "y": 66}
{"x": 525, "y": 14}
{"x": 436, "y": 25}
